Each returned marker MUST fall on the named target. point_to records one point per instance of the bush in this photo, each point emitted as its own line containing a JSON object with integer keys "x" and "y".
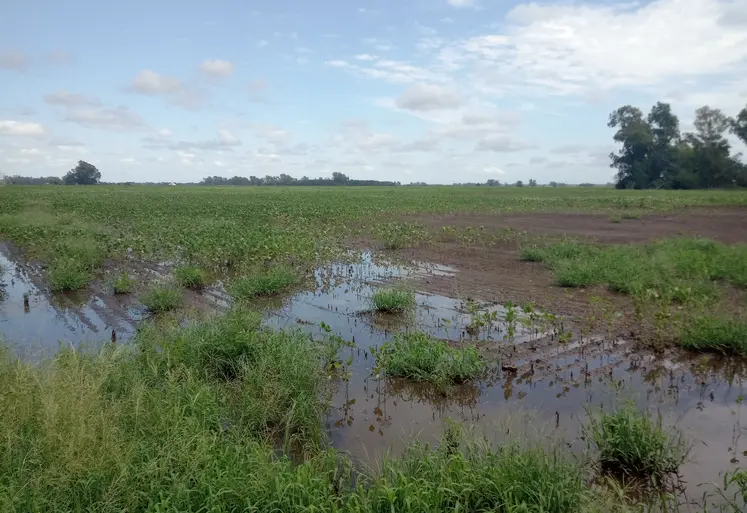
{"x": 162, "y": 298}
{"x": 630, "y": 444}
{"x": 190, "y": 277}
{"x": 532, "y": 254}
{"x": 268, "y": 283}
{"x": 419, "y": 357}
{"x": 393, "y": 300}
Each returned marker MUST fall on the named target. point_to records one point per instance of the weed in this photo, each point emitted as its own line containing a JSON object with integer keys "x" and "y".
{"x": 422, "y": 358}
{"x": 123, "y": 284}
{"x": 268, "y": 283}
{"x": 190, "y": 277}
{"x": 68, "y": 274}
{"x": 532, "y": 254}
{"x": 393, "y": 300}
{"x": 714, "y": 333}
{"x": 631, "y": 444}
{"x": 630, "y": 215}
{"x": 162, "y": 298}
{"x": 575, "y": 273}
{"x": 616, "y": 219}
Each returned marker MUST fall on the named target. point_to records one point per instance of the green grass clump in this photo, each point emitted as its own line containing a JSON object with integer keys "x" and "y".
{"x": 532, "y": 254}
{"x": 420, "y": 357}
{"x": 190, "y": 277}
{"x": 713, "y": 333}
{"x": 123, "y": 284}
{"x": 393, "y": 300}
{"x": 162, "y": 298}
{"x": 631, "y": 444}
{"x": 616, "y": 219}
{"x": 268, "y": 283}
{"x": 68, "y": 274}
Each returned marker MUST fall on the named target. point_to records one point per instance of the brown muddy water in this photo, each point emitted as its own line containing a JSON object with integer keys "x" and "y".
{"x": 541, "y": 384}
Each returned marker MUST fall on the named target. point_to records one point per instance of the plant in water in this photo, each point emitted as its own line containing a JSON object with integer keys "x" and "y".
{"x": 420, "y": 357}
{"x": 190, "y": 277}
{"x": 123, "y": 284}
{"x": 630, "y": 443}
{"x": 393, "y": 300}
{"x": 162, "y": 298}
{"x": 68, "y": 274}
{"x": 267, "y": 283}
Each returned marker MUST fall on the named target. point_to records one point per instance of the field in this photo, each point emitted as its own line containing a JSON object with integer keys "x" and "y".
{"x": 366, "y": 348}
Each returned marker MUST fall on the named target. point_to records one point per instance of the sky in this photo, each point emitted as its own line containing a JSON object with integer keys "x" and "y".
{"x": 439, "y": 91}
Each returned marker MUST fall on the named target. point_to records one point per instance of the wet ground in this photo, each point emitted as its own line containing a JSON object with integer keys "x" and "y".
{"x": 544, "y": 376}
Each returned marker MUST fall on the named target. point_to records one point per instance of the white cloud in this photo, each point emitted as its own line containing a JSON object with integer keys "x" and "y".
{"x": 13, "y": 60}
{"x": 501, "y": 144}
{"x": 216, "y": 68}
{"x": 150, "y": 82}
{"x": 462, "y": 3}
{"x": 425, "y": 97}
{"x": 118, "y": 119}
{"x": 13, "y": 128}
{"x": 67, "y": 99}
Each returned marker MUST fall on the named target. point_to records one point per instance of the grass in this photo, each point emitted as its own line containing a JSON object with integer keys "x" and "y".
{"x": 123, "y": 284}
{"x": 162, "y": 298}
{"x": 630, "y": 444}
{"x": 190, "y": 277}
{"x": 67, "y": 274}
{"x": 268, "y": 283}
{"x": 714, "y": 333}
{"x": 420, "y": 357}
{"x": 393, "y": 300}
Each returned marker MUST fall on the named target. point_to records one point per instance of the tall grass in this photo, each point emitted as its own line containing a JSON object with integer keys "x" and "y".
{"x": 393, "y": 300}
{"x": 123, "y": 284}
{"x": 715, "y": 333}
{"x": 162, "y": 298}
{"x": 420, "y": 357}
{"x": 267, "y": 283}
{"x": 630, "y": 443}
{"x": 190, "y": 277}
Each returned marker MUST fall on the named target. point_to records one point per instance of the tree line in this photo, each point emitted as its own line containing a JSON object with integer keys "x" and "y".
{"x": 655, "y": 154}
{"x": 284, "y": 179}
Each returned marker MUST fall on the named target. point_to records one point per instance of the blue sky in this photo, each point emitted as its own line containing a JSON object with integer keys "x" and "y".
{"x": 440, "y": 91}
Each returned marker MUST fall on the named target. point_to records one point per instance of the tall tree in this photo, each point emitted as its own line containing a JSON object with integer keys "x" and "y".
{"x": 662, "y": 162}
{"x": 635, "y": 135}
{"x": 82, "y": 174}
{"x": 711, "y": 156}
{"x": 739, "y": 125}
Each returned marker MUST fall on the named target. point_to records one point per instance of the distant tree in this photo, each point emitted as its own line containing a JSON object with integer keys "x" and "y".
{"x": 339, "y": 178}
{"x": 519, "y": 184}
{"x": 553, "y": 184}
{"x": 532, "y": 182}
{"x": 493, "y": 183}
{"x": 739, "y": 125}
{"x": 83, "y": 174}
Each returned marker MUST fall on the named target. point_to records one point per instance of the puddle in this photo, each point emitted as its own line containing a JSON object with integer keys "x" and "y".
{"x": 554, "y": 380}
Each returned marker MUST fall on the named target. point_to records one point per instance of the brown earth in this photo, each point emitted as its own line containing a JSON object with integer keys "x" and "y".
{"x": 495, "y": 273}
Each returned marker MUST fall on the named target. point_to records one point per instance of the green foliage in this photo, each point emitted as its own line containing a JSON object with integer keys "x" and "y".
{"x": 631, "y": 444}
{"x": 67, "y": 274}
{"x": 714, "y": 333}
{"x": 268, "y": 283}
{"x": 401, "y": 235}
{"x": 82, "y": 174}
{"x": 123, "y": 283}
{"x": 162, "y": 298}
{"x": 654, "y": 154}
{"x": 190, "y": 277}
{"x": 420, "y": 357}
{"x": 393, "y": 300}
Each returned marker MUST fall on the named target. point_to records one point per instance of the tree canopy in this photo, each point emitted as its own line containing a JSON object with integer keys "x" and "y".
{"x": 655, "y": 154}
{"x": 82, "y": 174}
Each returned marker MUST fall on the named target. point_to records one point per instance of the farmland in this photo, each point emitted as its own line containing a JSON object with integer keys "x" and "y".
{"x": 369, "y": 348}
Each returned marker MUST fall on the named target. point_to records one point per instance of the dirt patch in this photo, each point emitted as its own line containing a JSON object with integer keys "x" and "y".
{"x": 725, "y": 225}
{"x": 495, "y": 273}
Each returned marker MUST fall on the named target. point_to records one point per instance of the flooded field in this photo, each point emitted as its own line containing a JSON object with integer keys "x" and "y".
{"x": 543, "y": 377}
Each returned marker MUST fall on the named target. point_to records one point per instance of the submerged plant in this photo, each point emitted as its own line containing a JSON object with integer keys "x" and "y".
{"x": 393, "y": 300}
